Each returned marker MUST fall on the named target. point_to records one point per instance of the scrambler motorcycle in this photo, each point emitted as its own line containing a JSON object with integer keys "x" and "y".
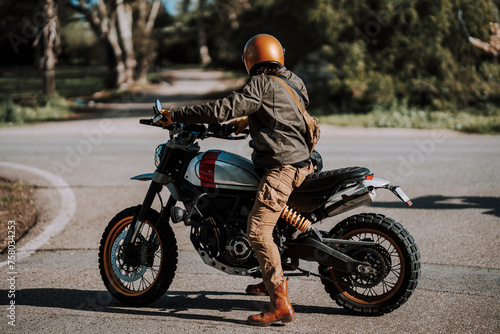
{"x": 368, "y": 263}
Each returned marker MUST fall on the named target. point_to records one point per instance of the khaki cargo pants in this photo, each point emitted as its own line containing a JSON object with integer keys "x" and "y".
{"x": 275, "y": 187}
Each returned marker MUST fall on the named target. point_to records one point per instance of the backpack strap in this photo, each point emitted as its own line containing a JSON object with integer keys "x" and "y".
{"x": 291, "y": 92}
{"x": 297, "y": 90}
{"x": 312, "y": 127}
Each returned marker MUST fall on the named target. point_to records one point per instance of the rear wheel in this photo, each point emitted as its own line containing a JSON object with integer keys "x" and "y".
{"x": 393, "y": 266}
{"x": 146, "y": 272}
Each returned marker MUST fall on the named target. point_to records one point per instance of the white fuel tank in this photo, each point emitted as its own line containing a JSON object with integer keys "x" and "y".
{"x": 219, "y": 169}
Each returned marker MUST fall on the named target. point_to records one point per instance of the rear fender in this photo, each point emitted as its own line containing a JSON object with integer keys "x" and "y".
{"x": 375, "y": 183}
{"x": 396, "y": 190}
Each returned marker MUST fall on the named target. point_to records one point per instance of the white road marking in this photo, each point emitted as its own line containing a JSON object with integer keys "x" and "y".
{"x": 68, "y": 207}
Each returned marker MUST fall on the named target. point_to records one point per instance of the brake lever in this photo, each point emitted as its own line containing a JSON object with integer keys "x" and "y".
{"x": 245, "y": 132}
{"x": 157, "y": 118}
{"x": 225, "y": 132}
{"x": 231, "y": 137}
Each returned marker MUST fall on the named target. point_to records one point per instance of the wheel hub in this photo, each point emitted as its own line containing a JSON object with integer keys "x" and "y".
{"x": 378, "y": 266}
{"x": 122, "y": 268}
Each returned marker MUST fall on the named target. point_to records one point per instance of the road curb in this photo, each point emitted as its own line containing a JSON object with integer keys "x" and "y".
{"x": 64, "y": 215}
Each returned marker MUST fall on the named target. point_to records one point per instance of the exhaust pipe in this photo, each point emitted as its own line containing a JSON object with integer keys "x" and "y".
{"x": 349, "y": 203}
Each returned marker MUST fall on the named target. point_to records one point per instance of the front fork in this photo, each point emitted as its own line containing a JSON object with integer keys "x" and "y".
{"x": 140, "y": 217}
{"x": 159, "y": 178}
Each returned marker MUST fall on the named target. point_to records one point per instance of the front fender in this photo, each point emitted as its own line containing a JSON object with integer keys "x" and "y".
{"x": 143, "y": 177}
{"x": 160, "y": 178}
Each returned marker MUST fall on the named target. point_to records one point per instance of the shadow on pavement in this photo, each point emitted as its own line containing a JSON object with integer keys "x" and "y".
{"x": 439, "y": 202}
{"x": 172, "y": 304}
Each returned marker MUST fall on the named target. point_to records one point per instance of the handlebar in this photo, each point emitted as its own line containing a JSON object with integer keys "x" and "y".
{"x": 221, "y": 131}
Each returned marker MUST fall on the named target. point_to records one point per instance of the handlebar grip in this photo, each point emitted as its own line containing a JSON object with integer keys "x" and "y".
{"x": 151, "y": 122}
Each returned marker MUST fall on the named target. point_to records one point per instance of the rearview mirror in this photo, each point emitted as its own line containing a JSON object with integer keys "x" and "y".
{"x": 158, "y": 105}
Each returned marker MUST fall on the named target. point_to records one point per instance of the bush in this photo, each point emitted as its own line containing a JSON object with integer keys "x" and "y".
{"x": 471, "y": 120}
{"x": 386, "y": 52}
{"x": 9, "y": 112}
{"x": 32, "y": 110}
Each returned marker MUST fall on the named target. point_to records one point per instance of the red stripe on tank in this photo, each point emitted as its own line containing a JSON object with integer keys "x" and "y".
{"x": 207, "y": 169}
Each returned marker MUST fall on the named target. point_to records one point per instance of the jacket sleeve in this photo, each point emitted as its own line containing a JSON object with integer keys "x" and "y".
{"x": 243, "y": 102}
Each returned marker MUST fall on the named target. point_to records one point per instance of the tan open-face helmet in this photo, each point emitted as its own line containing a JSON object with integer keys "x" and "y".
{"x": 263, "y": 49}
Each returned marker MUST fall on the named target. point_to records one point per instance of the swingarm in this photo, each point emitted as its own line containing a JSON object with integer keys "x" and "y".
{"x": 327, "y": 251}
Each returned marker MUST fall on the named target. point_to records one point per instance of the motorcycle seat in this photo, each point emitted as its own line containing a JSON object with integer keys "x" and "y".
{"x": 328, "y": 180}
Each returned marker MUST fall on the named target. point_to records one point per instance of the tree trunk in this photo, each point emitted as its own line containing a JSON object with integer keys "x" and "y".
{"x": 49, "y": 43}
{"x": 118, "y": 75}
{"x": 116, "y": 24}
{"x": 202, "y": 35}
{"x": 124, "y": 24}
{"x": 144, "y": 44}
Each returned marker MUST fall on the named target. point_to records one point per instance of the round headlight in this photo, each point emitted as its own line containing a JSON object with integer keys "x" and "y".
{"x": 158, "y": 155}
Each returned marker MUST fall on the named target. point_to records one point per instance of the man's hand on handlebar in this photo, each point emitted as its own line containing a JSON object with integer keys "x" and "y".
{"x": 239, "y": 124}
{"x": 164, "y": 119}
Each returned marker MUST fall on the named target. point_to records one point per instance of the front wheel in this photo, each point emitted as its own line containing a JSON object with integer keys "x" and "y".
{"x": 145, "y": 273}
{"x": 394, "y": 266}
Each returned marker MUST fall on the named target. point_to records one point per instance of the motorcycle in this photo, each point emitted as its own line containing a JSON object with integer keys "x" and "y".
{"x": 368, "y": 263}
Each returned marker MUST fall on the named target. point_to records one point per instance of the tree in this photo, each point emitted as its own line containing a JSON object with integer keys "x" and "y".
{"x": 202, "y": 35}
{"x": 29, "y": 24}
{"x": 51, "y": 46}
{"x": 204, "y": 32}
{"x": 125, "y": 27}
{"x": 409, "y": 52}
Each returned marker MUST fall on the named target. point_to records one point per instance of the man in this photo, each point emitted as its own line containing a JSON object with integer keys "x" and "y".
{"x": 280, "y": 155}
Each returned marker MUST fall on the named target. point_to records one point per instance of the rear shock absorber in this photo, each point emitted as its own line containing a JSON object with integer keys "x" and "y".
{"x": 295, "y": 219}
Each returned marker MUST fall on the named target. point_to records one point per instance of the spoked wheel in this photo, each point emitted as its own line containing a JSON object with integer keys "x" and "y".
{"x": 144, "y": 273}
{"x": 392, "y": 270}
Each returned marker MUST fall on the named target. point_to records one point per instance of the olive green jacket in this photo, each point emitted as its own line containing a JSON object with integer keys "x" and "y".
{"x": 276, "y": 125}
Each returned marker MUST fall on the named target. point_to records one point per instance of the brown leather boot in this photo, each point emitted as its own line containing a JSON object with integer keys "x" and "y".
{"x": 257, "y": 289}
{"x": 279, "y": 309}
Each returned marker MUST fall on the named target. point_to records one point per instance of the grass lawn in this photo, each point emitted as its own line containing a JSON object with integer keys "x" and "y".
{"x": 22, "y": 99}
{"x": 467, "y": 120}
{"x": 70, "y": 81}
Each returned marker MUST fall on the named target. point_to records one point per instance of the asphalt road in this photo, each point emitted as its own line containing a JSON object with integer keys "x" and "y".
{"x": 83, "y": 167}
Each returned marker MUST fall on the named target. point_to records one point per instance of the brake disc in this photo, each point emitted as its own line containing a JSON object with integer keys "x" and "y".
{"x": 378, "y": 266}
{"x": 124, "y": 271}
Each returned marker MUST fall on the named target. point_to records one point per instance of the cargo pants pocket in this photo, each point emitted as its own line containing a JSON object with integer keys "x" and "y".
{"x": 276, "y": 186}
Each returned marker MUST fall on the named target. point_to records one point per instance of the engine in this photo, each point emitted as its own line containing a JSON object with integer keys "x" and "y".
{"x": 222, "y": 243}
{"x": 238, "y": 251}
{"x": 230, "y": 247}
